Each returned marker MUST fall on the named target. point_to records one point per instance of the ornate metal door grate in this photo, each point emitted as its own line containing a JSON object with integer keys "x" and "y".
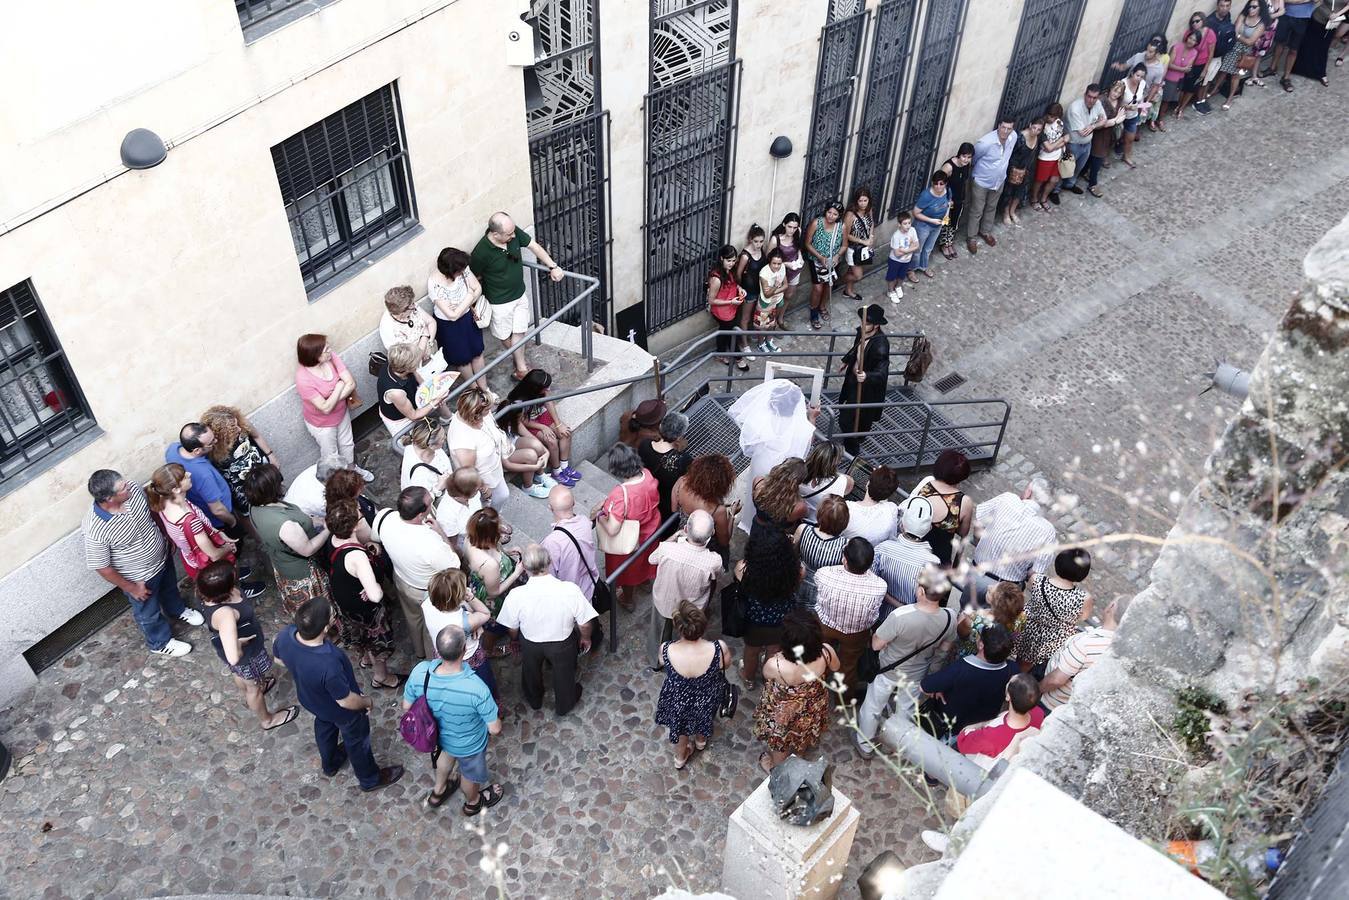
{"x": 835, "y": 88}
{"x": 1138, "y": 21}
{"x": 690, "y": 128}
{"x": 569, "y": 151}
{"x": 569, "y": 169}
{"x": 885, "y": 92}
{"x": 937, "y": 55}
{"x": 1044, "y": 43}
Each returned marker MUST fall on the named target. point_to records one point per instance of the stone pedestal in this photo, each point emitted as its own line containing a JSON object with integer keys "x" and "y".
{"x": 769, "y": 859}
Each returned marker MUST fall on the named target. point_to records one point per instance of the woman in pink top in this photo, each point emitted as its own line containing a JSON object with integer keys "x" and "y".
{"x": 327, "y": 391}
{"x": 1183, "y": 54}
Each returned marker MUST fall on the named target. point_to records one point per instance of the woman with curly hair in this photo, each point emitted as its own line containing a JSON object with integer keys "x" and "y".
{"x": 1006, "y": 607}
{"x": 794, "y": 712}
{"x": 705, "y": 486}
{"x": 237, "y": 449}
{"x": 777, "y": 495}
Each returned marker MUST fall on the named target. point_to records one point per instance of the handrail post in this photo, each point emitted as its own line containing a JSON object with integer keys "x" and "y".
{"x": 1002, "y": 430}
{"x": 588, "y": 332}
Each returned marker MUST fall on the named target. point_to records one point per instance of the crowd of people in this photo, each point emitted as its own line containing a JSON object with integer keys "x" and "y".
{"x": 843, "y": 590}
{"x": 1019, "y": 166}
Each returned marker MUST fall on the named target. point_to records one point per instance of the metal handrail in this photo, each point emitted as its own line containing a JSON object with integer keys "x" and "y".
{"x": 623, "y": 567}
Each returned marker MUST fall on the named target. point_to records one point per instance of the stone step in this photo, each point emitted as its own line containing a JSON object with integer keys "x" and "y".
{"x": 531, "y": 518}
{"x": 597, "y": 478}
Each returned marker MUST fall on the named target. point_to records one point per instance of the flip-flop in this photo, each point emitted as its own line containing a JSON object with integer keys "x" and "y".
{"x": 267, "y": 684}
{"x": 385, "y": 686}
{"x": 768, "y": 769}
{"x": 1095, "y": 191}
{"x": 292, "y": 712}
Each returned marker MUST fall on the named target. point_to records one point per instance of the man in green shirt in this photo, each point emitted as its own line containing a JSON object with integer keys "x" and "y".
{"x": 496, "y": 261}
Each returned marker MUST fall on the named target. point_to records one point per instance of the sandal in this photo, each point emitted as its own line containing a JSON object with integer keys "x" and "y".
{"x": 291, "y": 713}
{"x": 765, "y": 762}
{"x": 928, "y": 273}
{"x": 700, "y": 745}
{"x": 1325, "y": 82}
{"x": 435, "y": 800}
{"x": 681, "y": 763}
{"x": 1286, "y": 84}
{"x": 267, "y": 684}
{"x": 1161, "y": 126}
{"x": 749, "y": 683}
{"x": 853, "y": 296}
{"x": 1095, "y": 191}
{"x": 489, "y": 797}
{"x": 741, "y": 366}
{"x": 948, "y": 252}
{"x": 385, "y": 686}
{"x": 1130, "y": 163}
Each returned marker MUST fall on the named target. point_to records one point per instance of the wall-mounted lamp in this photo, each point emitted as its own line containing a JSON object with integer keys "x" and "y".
{"x": 534, "y": 98}
{"x": 780, "y": 149}
{"x": 142, "y": 149}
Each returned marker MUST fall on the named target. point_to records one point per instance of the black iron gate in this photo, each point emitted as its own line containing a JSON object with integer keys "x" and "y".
{"x": 690, "y": 128}
{"x": 835, "y": 87}
{"x": 885, "y": 92}
{"x": 569, "y": 170}
{"x": 1138, "y": 21}
{"x": 1044, "y": 43}
{"x": 937, "y": 56}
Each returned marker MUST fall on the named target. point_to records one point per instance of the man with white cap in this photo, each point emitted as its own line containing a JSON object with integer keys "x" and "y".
{"x": 899, "y": 561}
{"x": 1014, "y": 538}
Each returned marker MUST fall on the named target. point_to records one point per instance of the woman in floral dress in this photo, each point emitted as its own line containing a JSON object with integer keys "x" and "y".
{"x": 795, "y": 709}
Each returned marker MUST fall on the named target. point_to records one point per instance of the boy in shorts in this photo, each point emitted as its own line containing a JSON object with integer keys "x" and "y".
{"x": 903, "y": 244}
{"x": 768, "y": 309}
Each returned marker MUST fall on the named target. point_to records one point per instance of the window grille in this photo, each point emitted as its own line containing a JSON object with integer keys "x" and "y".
{"x": 252, "y": 12}
{"x": 41, "y": 405}
{"x": 347, "y": 186}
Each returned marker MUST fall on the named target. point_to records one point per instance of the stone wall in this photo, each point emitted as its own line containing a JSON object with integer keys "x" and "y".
{"x": 1250, "y": 591}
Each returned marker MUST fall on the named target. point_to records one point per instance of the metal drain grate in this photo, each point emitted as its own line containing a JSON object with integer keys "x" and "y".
{"x": 948, "y": 383}
{"x": 48, "y": 651}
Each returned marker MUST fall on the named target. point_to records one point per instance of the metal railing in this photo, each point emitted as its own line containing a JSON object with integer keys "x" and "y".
{"x": 610, "y": 577}
{"x": 928, "y": 409}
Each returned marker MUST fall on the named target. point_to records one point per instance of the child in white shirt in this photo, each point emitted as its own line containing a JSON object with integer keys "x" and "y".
{"x": 772, "y": 289}
{"x": 903, "y": 244}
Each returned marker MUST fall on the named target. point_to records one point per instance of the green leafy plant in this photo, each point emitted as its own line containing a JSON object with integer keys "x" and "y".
{"x": 1193, "y": 722}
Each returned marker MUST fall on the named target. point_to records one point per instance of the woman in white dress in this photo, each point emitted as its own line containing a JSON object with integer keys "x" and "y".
{"x": 775, "y": 424}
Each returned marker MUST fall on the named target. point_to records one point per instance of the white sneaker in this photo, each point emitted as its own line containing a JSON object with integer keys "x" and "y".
{"x": 897, "y": 294}
{"x": 935, "y": 840}
{"x": 537, "y": 491}
{"x": 174, "y": 647}
{"x": 192, "y": 617}
{"x": 364, "y": 473}
{"x": 546, "y": 480}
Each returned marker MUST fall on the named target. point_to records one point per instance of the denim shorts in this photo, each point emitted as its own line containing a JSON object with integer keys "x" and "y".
{"x": 474, "y": 768}
{"x": 1131, "y": 125}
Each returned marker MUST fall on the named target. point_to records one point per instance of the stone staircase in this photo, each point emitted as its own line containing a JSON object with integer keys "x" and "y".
{"x": 530, "y": 519}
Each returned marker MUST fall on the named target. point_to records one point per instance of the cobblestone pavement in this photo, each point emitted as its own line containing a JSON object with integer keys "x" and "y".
{"x": 137, "y": 776}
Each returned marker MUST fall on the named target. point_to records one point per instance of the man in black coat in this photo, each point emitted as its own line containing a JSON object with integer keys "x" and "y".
{"x": 866, "y": 375}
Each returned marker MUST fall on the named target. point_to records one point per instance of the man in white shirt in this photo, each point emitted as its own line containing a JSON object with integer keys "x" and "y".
{"x": 417, "y": 550}
{"x": 462, "y": 498}
{"x": 1078, "y": 654}
{"x": 306, "y": 489}
{"x": 1014, "y": 538}
{"x": 1085, "y": 115}
{"x": 553, "y": 620}
{"x": 685, "y": 570}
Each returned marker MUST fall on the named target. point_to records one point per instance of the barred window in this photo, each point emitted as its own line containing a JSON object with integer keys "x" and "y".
{"x": 252, "y": 12}
{"x": 347, "y": 186}
{"x": 41, "y": 407}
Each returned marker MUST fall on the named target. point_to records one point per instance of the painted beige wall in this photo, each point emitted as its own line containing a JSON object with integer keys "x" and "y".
{"x": 981, "y": 70}
{"x": 779, "y": 57}
{"x": 177, "y": 287}
{"x": 1099, "y": 19}
{"x": 625, "y": 54}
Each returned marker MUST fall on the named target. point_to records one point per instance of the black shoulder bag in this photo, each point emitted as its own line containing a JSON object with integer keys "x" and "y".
{"x": 869, "y": 663}
{"x": 602, "y": 597}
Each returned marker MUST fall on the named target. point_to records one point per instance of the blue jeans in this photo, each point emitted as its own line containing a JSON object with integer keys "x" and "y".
{"x": 356, "y": 739}
{"x": 162, "y": 605}
{"x": 927, "y": 239}
{"x": 1081, "y": 153}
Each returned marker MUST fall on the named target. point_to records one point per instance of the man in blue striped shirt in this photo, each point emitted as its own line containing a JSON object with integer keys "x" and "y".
{"x": 465, "y": 715}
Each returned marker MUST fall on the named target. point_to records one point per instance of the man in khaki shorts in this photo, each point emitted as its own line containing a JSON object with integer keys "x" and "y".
{"x": 496, "y": 261}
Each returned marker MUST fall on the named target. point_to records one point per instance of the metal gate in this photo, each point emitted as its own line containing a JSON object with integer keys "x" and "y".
{"x": 885, "y": 92}
{"x": 937, "y": 55}
{"x": 690, "y": 128}
{"x": 835, "y": 87}
{"x": 1138, "y": 21}
{"x": 569, "y": 170}
{"x": 1044, "y": 43}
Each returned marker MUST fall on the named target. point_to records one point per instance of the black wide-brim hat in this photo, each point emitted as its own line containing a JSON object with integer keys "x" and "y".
{"x": 872, "y": 314}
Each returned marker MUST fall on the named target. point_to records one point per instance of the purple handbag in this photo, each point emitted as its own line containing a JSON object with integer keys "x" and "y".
{"x": 418, "y": 725}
